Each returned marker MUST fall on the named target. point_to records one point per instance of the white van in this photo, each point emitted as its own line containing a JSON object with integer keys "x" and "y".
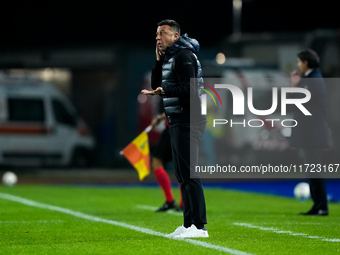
{"x": 39, "y": 126}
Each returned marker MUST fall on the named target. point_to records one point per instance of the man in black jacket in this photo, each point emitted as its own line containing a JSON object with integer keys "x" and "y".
{"x": 311, "y": 133}
{"x": 177, "y": 77}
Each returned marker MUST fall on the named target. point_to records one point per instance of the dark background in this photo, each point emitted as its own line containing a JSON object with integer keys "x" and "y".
{"x": 107, "y": 47}
{"x": 55, "y": 23}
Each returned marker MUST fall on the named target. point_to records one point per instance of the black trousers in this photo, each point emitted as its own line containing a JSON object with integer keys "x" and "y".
{"x": 185, "y": 141}
{"x": 317, "y": 185}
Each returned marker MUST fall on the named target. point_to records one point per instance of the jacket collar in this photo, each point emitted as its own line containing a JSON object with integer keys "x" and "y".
{"x": 183, "y": 42}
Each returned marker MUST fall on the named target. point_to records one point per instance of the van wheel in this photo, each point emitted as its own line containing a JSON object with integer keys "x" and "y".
{"x": 80, "y": 158}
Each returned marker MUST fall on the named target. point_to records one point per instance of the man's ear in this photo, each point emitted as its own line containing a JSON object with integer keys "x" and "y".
{"x": 176, "y": 35}
{"x": 305, "y": 63}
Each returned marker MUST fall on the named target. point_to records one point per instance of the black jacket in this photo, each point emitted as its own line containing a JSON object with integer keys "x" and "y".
{"x": 312, "y": 131}
{"x": 173, "y": 73}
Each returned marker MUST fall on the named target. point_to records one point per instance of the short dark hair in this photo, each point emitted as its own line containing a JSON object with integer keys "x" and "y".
{"x": 174, "y": 26}
{"x": 310, "y": 56}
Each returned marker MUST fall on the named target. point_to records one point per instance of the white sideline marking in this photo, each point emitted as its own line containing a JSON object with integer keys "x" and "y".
{"x": 154, "y": 208}
{"x": 29, "y": 221}
{"x": 295, "y": 223}
{"x": 116, "y": 223}
{"x": 275, "y": 230}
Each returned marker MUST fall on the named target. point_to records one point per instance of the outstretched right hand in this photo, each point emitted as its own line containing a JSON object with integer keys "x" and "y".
{"x": 157, "y": 91}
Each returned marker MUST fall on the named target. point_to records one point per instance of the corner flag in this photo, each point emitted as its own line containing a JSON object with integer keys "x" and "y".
{"x": 138, "y": 154}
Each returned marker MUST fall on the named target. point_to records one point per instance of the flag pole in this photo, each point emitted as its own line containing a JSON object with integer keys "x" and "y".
{"x": 147, "y": 130}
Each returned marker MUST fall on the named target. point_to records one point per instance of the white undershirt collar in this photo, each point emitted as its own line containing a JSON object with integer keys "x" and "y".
{"x": 308, "y": 72}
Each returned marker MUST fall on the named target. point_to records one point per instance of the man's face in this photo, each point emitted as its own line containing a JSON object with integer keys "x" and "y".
{"x": 303, "y": 66}
{"x": 165, "y": 37}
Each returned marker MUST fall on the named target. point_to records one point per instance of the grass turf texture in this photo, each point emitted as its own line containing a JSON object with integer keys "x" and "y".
{"x": 29, "y": 230}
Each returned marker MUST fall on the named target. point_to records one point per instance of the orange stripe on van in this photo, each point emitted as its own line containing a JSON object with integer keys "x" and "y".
{"x": 24, "y": 129}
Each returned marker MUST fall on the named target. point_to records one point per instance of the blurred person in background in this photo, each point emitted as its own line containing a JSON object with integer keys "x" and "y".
{"x": 162, "y": 154}
{"x": 311, "y": 133}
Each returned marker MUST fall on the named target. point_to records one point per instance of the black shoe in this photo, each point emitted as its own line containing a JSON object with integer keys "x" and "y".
{"x": 179, "y": 209}
{"x": 314, "y": 212}
{"x": 167, "y": 206}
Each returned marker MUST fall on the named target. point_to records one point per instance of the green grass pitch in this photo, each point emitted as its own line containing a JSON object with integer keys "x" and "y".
{"x": 120, "y": 220}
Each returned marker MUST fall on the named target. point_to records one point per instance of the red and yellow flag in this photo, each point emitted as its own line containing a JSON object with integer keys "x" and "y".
{"x": 138, "y": 154}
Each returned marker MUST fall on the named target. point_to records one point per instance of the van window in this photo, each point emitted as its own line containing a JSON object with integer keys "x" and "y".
{"x": 26, "y": 110}
{"x": 62, "y": 115}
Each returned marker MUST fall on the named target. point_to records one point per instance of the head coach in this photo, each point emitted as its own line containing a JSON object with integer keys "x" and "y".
{"x": 177, "y": 77}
